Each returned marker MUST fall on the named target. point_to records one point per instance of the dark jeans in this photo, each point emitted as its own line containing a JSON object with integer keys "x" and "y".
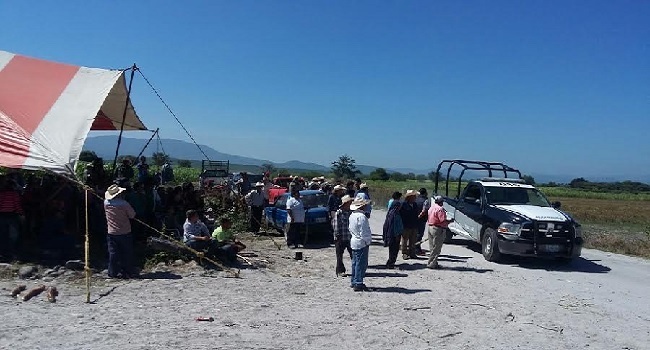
{"x": 422, "y": 230}
{"x": 341, "y": 246}
{"x": 120, "y": 255}
{"x": 198, "y": 245}
{"x": 359, "y": 266}
{"x": 294, "y": 233}
{"x": 393, "y": 250}
{"x": 255, "y": 219}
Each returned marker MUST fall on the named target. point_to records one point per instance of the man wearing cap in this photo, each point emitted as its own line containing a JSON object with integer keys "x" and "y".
{"x": 438, "y": 223}
{"x": 409, "y": 213}
{"x": 363, "y": 194}
{"x": 120, "y": 240}
{"x": 341, "y": 226}
{"x": 360, "y": 240}
{"x": 255, "y": 199}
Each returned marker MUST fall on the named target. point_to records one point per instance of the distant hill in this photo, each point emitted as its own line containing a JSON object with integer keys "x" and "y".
{"x": 104, "y": 146}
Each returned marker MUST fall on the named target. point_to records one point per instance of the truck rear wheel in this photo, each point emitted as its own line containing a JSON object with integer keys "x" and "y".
{"x": 490, "y": 245}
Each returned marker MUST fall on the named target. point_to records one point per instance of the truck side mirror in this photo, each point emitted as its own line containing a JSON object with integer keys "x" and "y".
{"x": 556, "y": 204}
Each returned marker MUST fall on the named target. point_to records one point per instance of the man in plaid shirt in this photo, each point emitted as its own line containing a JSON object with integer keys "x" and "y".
{"x": 340, "y": 223}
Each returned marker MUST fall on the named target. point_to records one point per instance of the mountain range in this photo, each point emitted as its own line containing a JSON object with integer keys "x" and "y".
{"x": 104, "y": 146}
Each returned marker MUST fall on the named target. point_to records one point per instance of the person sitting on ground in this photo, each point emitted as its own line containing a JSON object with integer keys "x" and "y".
{"x": 227, "y": 240}
{"x": 195, "y": 234}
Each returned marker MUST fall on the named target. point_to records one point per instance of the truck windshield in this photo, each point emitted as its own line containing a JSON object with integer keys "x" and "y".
{"x": 515, "y": 195}
{"x": 315, "y": 200}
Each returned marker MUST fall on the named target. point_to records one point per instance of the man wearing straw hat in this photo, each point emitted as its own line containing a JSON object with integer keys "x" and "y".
{"x": 120, "y": 240}
{"x": 334, "y": 200}
{"x": 409, "y": 213}
{"x": 341, "y": 227}
{"x": 360, "y": 240}
{"x": 362, "y": 193}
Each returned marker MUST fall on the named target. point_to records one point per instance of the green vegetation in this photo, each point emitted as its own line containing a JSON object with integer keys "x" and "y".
{"x": 345, "y": 168}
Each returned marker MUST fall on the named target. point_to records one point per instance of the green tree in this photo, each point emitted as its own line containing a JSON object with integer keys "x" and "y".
{"x": 87, "y": 156}
{"x": 184, "y": 163}
{"x": 421, "y": 177}
{"x": 132, "y": 159}
{"x": 344, "y": 167}
{"x": 379, "y": 174}
{"x": 578, "y": 182}
{"x": 159, "y": 158}
{"x": 397, "y": 176}
{"x": 268, "y": 167}
{"x": 529, "y": 179}
{"x": 410, "y": 176}
{"x": 435, "y": 176}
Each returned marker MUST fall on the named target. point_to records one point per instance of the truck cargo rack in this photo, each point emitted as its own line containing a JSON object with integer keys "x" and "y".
{"x": 490, "y": 167}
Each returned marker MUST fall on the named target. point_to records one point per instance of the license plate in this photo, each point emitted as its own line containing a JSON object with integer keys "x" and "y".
{"x": 320, "y": 220}
{"x": 550, "y": 248}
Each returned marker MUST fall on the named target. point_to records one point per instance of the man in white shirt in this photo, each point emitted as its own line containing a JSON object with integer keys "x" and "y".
{"x": 296, "y": 219}
{"x": 256, "y": 200}
{"x": 359, "y": 242}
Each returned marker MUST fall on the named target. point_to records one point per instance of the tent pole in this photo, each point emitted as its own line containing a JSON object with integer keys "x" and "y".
{"x": 147, "y": 144}
{"x": 87, "y": 249}
{"x": 126, "y": 106}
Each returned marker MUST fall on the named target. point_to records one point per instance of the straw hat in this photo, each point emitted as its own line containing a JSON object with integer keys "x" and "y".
{"x": 346, "y": 199}
{"x": 411, "y": 193}
{"x": 363, "y": 185}
{"x": 359, "y": 203}
{"x": 113, "y": 191}
{"x": 339, "y": 188}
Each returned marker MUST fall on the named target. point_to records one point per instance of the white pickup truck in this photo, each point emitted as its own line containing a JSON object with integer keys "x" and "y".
{"x": 508, "y": 216}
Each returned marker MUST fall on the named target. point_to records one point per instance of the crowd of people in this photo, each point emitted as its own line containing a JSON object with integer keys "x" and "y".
{"x": 45, "y": 212}
{"x": 404, "y": 226}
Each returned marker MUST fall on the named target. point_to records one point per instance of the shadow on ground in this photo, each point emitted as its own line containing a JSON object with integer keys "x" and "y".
{"x": 399, "y": 290}
{"x": 160, "y": 275}
{"x": 464, "y": 269}
{"x": 385, "y": 274}
{"x": 579, "y": 264}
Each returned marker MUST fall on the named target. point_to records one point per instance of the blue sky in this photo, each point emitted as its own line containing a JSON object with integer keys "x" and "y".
{"x": 551, "y": 87}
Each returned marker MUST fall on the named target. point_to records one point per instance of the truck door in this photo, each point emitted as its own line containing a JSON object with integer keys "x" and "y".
{"x": 469, "y": 212}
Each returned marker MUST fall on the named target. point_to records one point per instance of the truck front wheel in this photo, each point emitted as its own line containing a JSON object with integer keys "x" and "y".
{"x": 490, "y": 245}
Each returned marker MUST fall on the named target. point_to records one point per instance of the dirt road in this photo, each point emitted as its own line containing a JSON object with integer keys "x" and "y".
{"x": 598, "y": 302}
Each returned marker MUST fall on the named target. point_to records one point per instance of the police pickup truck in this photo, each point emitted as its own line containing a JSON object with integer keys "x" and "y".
{"x": 508, "y": 216}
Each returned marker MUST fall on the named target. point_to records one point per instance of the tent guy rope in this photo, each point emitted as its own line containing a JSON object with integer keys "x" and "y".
{"x": 173, "y": 114}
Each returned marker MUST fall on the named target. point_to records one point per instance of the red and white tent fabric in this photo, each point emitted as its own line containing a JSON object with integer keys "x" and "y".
{"x": 48, "y": 108}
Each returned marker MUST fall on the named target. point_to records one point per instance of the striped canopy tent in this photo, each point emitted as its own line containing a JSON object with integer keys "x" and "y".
{"x": 48, "y": 108}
